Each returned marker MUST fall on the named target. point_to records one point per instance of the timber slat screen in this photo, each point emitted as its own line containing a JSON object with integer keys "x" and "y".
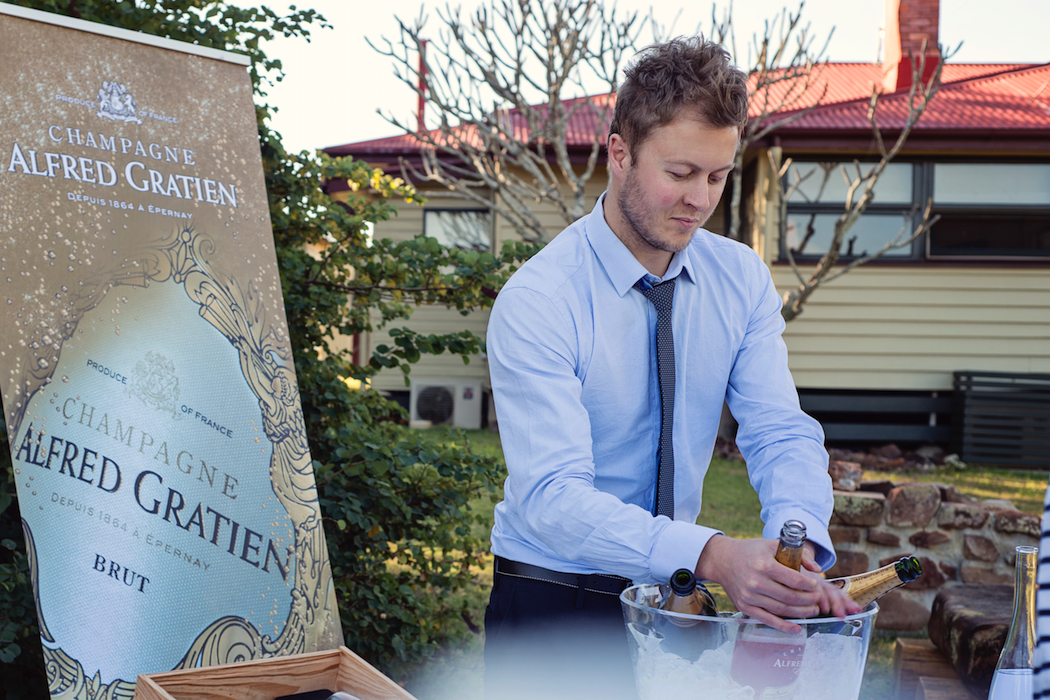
{"x": 1002, "y": 418}
{"x": 873, "y": 418}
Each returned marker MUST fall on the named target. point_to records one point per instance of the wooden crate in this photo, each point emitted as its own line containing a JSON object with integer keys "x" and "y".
{"x": 336, "y": 670}
{"x": 941, "y": 689}
{"x": 920, "y": 672}
{"x": 914, "y": 659}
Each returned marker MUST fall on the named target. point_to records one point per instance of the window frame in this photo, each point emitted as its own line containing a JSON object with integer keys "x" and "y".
{"x": 922, "y": 190}
{"x": 471, "y": 210}
{"x": 838, "y": 208}
{"x": 981, "y": 208}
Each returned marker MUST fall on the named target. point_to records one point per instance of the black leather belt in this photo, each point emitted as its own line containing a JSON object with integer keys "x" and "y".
{"x": 594, "y": 583}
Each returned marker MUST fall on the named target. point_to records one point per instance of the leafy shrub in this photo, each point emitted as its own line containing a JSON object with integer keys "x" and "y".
{"x": 21, "y": 658}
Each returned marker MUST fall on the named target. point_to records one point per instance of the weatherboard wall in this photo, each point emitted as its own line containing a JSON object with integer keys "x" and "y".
{"x": 909, "y": 327}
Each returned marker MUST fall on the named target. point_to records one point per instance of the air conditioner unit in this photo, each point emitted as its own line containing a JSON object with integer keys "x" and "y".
{"x": 455, "y": 403}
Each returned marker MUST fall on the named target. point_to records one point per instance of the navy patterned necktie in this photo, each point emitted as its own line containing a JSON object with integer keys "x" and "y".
{"x": 662, "y": 297}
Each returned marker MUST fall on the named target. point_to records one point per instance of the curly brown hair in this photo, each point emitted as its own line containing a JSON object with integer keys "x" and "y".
{"x": 663, "y": 80}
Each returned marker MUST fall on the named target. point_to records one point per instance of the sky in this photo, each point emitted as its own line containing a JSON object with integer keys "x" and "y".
{"x": 335, "y": 84}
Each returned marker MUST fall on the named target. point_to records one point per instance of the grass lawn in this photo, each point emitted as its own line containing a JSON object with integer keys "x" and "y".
{"x": 1025, "y": 488}
{"x": 732, "y": 506}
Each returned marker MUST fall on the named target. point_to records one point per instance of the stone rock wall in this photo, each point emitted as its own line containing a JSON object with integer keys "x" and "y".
{"x": 957, "y": 538}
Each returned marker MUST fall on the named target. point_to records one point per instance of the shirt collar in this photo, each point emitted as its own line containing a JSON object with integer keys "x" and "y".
{"x": 619, "y": 263}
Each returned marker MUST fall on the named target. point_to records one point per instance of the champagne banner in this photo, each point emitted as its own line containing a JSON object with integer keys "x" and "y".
{"x": 164, "y": 478}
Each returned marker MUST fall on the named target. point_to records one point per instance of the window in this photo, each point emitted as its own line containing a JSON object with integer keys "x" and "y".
{"x": 988, "y": 235}
{"x": 819, "y": 199}
{"x": 894, "y": 185}
{"x": 468, "y": 229}
{"x": 987, "y": 211}
{"x": 1000, "y": 184}
{"x": 868, "y": 235}
{"x": 991, "y": 210}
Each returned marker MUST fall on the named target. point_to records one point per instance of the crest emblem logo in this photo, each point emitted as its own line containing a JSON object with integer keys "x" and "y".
{"x": 154, "y": 383}
{"x": 116, "y": 103}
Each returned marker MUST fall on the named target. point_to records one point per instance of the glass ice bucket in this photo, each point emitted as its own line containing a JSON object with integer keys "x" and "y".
{"x": 734, "y": 658}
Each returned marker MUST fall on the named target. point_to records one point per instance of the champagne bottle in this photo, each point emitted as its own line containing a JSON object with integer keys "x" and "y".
{"x": 866, "y": 587}
{"x": 1013, "y": 673}
{"x": 764, "y": 658}
{"x": 792, "y": 537}
{"x": 689, "y": 597}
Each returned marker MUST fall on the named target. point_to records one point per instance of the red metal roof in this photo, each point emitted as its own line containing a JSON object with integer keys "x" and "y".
{"x": 847, "y": 82}
{"x": 1000, "y": 97}
{"x": 1012, "y": 98}
{"x": 587, "y": 114}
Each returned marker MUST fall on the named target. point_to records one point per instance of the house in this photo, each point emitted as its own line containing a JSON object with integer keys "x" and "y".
{"x": 887, "y": 339}
{"x": 972, "y": 295}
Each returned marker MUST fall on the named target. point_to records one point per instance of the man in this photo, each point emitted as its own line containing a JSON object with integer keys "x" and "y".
{"x": 609, "y": 401}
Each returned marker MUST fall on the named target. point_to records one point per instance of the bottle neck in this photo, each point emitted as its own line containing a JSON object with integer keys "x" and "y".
{"x": 793, "y": 534}
{"x": 792, "y": 537}
{"x": 683, "y": 582}
{"x": 1024, "y": 585}
{"x": 866, "y": 587}
{"x": 790, "y": 557}
{"x": 1020, "y": 641}
{"x": 688, "y": 596}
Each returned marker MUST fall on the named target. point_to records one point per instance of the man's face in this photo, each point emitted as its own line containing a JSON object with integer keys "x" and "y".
{"x": 673, "y": 183}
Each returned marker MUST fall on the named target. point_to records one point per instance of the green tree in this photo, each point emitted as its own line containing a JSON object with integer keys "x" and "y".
{"x": 396, "y": 505}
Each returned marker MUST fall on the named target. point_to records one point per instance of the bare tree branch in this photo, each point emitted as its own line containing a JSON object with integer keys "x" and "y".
{"x": 501, "y": 88}
{"x": 781, "y": 175}
{"x": 925, "y": 224}
{"x": 861, "y": 190}
{"x": 786, "y": 83}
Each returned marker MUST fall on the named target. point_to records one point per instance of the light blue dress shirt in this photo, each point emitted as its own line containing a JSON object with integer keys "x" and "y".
{"x": 572, "y": 358}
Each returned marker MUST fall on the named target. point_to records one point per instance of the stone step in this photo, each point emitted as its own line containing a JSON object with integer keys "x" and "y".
{"x": 968, "y": 625}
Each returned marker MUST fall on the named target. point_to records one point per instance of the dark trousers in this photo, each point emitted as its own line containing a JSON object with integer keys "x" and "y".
{"x": 551, "y": 641}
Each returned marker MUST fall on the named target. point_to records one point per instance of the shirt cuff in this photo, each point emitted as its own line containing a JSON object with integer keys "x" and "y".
{"x": 678, "y": 547}
{"x": 816, "y": 532}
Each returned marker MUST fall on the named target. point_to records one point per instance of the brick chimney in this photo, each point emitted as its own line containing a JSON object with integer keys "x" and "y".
{"x": 908, "y": 23}
{"x": 422, "y": 84}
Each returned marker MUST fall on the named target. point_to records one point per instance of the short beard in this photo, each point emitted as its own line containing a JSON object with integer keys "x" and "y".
{"x": 635, "y": 212}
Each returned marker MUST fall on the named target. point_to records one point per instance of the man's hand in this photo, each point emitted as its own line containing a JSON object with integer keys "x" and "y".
{"x": 764, "y": 589}
{"x": 834, "y": 601}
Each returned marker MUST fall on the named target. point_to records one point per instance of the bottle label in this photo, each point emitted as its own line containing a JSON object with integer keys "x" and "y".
{"x": 770, "y": 665}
